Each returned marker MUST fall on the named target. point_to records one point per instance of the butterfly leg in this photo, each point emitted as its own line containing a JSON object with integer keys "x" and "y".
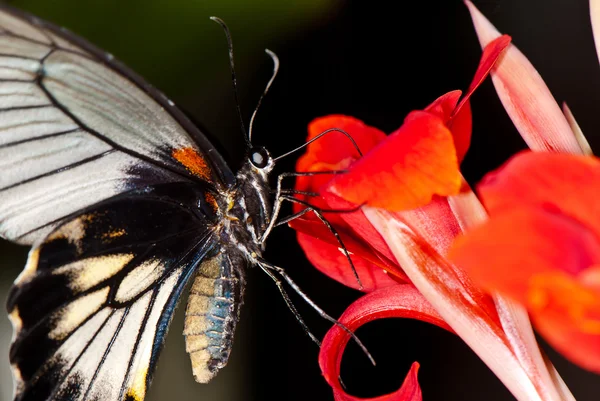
{"x": 280, "y": 271}
{"x": 319, "y": 213}
{"x": 279, "y": 200}
{"x": 289, "y": 304}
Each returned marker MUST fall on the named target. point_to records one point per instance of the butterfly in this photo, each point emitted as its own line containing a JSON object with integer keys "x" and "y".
{"x": 125, "y": 203}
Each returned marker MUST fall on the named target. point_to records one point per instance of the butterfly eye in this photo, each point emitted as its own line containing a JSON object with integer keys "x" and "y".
{"x": 259, "y": 157}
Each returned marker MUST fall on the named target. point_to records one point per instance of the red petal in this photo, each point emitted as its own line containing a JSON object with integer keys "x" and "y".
{"x": 461, "y": 123}
{"x": 333, "y": 151}
{"x": 462, "y": 127}
{"x": 400, "y": 301}
{"x": 568, "y": 182}
{"x": 406, "y": 169}
{"x": 444, "y": 107}
{"x": 542, "y": 258}
{"x": 358, "y": 223}
{"x": 410, "y": 390}
{"x": 489, "y": 57}
{"x": 335, "y": 146}
{"x": 566, "y": 312}
{"x": 506, "y": 251}
{"x": 323, "y": 251}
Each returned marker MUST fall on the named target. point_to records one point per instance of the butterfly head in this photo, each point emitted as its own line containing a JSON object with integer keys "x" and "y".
{"x": 261, "y": 160}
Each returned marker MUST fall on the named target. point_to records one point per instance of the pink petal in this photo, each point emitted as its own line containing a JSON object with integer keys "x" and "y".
{"x": 595, "y": 17}
{"x": 513, "y": 316}
{"x": 525, "y": 96}
{"x": 583, "y": 143}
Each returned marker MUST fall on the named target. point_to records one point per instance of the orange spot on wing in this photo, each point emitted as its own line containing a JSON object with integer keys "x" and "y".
{"x": 211, "y": 200}
{"x": 193, "y": 162}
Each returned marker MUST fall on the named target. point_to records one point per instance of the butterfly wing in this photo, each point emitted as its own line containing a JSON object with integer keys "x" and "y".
{"x": 115, "y": 189}
{"x": 77, "y": 127}
{"x": 92, "y": 306}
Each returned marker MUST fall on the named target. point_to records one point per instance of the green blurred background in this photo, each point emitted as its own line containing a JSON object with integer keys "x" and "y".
{"x": 375, "y": 60}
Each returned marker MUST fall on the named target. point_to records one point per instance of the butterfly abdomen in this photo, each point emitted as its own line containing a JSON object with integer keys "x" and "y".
{"x": 211, "y": 315}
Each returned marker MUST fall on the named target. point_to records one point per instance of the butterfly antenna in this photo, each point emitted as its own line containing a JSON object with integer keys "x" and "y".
{"x": 275, "y": 71}
{"x": 341, "y": 131}
{"x": 233, "y": 76}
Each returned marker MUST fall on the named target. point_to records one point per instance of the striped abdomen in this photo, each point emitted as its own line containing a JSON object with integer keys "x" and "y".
{"x": 212, "y": 313}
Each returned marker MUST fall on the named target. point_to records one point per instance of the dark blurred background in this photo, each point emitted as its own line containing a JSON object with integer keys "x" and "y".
{"x": 375, "y": 60}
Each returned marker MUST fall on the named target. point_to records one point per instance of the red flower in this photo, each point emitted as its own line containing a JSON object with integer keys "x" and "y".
{"x": 404, "y": 171}
{"x": 412, "y": 177}
{"x": 542, "y": 246}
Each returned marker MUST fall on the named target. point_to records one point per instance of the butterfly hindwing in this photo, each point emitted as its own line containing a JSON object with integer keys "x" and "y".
{"x": 77, "y": 127}
{"x": 92, "y": 306}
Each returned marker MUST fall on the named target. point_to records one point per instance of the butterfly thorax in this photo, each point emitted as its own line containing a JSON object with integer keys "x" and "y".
{"x": 250, "y": 207}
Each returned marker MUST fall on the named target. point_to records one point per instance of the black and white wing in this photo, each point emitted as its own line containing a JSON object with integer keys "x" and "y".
{"x": 91, "y": 309}
{"x": 77, "y": 127}
{"x": 102, "y": 174}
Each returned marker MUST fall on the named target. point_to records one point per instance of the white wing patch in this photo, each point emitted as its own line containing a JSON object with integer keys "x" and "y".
{"x": 22, "y": 94}
{"x": 47, "y": 155}
{"x": 28, "y": 209}
{"x": 18, "y": 69}
{"x": 139, "y": 278}
{"x": 87, "y": 273}
{"x": 21, "y": 125}
{"x": 19, "y": 27}
{"x": 69, "y": 318}
{"x": 11, "y": 46}
{"x": 135, "y": 382}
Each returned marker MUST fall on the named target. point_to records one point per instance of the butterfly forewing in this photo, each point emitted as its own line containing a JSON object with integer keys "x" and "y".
{"x": 77, "y": 127}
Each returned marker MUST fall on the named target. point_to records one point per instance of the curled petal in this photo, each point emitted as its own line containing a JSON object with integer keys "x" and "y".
{"x": 568, "y": 182}
{"x": 406, "y": 170}
{"x": 400, "y": 301}
{"x": 525, "y": 96}
{"x": 410, "y": 390}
